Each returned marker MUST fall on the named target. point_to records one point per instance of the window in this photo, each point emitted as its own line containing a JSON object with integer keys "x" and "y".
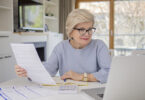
{"x": 101, "y": 18}
{"x": 129, "y": 26}
{"x": 120, "y": 24}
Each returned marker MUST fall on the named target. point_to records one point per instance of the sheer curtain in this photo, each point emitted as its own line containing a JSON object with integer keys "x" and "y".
{"x": 65, "y": 7}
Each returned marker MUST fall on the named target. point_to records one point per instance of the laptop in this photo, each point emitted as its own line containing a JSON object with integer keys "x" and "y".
{"x": 95, "y": 93}
{"x": 126, "y": 80}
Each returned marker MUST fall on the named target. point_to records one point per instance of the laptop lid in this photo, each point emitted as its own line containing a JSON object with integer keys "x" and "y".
{"x": 126, "y": 79}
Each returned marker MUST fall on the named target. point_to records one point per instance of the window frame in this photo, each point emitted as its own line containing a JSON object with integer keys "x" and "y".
{"x": 111, "y": 19}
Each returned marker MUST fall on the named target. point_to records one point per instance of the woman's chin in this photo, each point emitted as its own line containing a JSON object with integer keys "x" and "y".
{"x": 85, "y": 43}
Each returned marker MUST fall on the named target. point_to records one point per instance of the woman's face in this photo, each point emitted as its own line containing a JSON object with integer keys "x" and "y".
{"x": 82, "y": 34}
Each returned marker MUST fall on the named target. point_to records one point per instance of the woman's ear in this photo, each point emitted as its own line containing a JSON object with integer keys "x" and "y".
{"x": 70, "y": 36}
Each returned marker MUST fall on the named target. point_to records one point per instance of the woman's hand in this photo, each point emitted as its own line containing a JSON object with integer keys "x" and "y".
{"x": 72, "y": 75}
{"x": 20, "y": 71}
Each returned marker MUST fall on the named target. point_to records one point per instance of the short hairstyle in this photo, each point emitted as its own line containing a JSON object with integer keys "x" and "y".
{"x": 78, "y": 16}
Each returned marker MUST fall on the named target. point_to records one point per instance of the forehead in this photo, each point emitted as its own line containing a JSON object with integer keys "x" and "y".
{"x": 84, "y": 25}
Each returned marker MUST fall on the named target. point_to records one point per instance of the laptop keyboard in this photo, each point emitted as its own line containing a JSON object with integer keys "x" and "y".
{"x": 101, "y": 95}
{"x": 96, "y": 93}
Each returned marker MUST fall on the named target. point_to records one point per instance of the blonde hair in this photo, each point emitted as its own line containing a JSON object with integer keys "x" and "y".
{"x": 78, "y": 16}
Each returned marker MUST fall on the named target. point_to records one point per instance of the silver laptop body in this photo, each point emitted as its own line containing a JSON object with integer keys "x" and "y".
{"x": 126, "y": 79}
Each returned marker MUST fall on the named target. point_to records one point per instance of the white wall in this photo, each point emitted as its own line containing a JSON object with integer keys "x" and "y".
{"x": 7, "y": 60}
{"x": 7, "y": 63}
{"x": 53, "y": 39}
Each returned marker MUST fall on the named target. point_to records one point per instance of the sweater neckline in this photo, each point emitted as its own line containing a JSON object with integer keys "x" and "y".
{"x": 87, "y": 46}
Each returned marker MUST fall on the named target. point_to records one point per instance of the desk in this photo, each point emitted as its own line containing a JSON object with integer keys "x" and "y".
{"x": 79, "y": 96}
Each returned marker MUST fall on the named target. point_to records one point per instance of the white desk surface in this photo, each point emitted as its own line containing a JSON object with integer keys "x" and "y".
{"x": 79, "y": 96}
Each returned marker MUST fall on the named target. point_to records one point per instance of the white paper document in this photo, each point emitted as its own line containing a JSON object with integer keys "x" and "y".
{"x": 25, "y": 92}
{"x": 27, "y": 57}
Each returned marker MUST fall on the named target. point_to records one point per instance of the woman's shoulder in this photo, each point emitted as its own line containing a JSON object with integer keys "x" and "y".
{"x": 100, "y": 45}
{"x": 98, "y": 42}
{"x": 61, "y": 45}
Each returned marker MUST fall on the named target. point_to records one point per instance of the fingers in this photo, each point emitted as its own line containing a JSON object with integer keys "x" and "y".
{"x": 17, "y": 66}
{"x": 20, "y": 71}
{"x": 65, "y": 77}
{"x": 21, "y": 74}
{"x": 72, "y": 75}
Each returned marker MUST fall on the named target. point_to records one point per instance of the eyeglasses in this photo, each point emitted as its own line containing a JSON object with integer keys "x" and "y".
{"x": 83, "y": 31}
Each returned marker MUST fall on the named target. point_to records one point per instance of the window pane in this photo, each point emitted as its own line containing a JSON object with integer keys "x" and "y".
{"x": 101, "y": 13}
{"x": 129, "y": 26}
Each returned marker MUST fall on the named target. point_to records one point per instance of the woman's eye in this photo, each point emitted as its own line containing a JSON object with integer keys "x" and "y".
{"x": 82, "y": 30}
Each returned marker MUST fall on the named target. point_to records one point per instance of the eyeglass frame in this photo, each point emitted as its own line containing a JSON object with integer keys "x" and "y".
{"x": 79, "y": 29}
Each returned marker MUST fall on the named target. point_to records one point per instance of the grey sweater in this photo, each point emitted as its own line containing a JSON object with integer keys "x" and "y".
{"x": 94, "y": 59}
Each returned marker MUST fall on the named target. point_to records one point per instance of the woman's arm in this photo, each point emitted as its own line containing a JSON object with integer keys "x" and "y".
{"x": 91, "y": 78}
{"x": 78, "y": 77}
{"x": 103, "y": 62}
{"x": 52, "y": 64}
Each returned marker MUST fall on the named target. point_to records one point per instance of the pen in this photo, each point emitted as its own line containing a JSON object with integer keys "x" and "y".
{"x": 64, "y": 80}
{"x": 57, "y": 84}
{"x": 3, "y": 97}
{"x": 48, "y": 85}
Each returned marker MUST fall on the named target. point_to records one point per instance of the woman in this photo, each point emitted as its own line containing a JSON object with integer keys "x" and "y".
{"x": 80, "y": 58}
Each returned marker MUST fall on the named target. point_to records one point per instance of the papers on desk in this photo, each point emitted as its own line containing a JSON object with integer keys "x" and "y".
{"x": 27, "y": 57}
{"x": 25, "y": 92}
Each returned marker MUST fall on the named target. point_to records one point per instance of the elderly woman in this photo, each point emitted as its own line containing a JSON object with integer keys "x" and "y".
{"x": 79, "y": 58}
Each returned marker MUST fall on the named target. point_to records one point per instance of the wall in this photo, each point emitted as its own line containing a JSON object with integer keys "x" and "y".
{"x": 7, "y": 60}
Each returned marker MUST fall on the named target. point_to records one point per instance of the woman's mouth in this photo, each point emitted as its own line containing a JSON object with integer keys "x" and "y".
{"x": 85, "y": 38}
